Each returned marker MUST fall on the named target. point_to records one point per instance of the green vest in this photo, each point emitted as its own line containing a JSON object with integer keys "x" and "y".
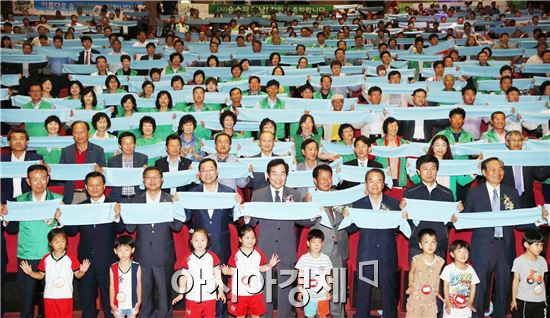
{"x": 279, "y": 104}
{"x": 247, "y": 93}
{"x": 52, "y": 155}
{"x": 385, "y": 162}
{"x": 169, "y": 70}
{"x": 490, "y": 135}
{"x": 298, "y": 139}
{"x": 317, "y": 95}
{"x": 37, "y": 129}
{"x": 205, "y": 108}
{"x": 32, "y": 241}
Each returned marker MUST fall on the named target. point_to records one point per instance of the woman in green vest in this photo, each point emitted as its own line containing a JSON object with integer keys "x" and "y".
{"x": 174, "y": 67}
{"x": 236, "y": 72}
{"x": 397, "y": 167}
{"x": 113, "y": 85}
{"x": 53, "y": 126}
{"x": 128, "y": 106}
{"x": 306, "y": 130}
{"x": 147, "y": 127}
{"x": 346, "y": 132}
{"x": 164, "y": 104}
{"x": 228, "y": 119}
{"x": 75, "y": 90}
{"x": 440, "y": 148}
{"x": 88, "y": 100}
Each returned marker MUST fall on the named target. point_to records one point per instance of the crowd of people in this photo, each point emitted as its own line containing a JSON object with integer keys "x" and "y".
{"x": 343, "y": 97}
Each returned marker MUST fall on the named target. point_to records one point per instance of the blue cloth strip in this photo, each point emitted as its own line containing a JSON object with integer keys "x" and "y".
{"x": 494, "y": 85}
{"x": 278, "y": 115}
{"x": 206, "y": 200}
{"x": 45, "y": 142}
{"x": 338, "y": 197}
{"x": 378, "y": 220}
{"x": 503, "y": 218}
{"x": 285, "y": 211}
{"x": 420, "y": 57}
{"x": 32, "y": 211}
{"x": 10, "y": 79}
{"x": 307, "y": 104}
{"x": 335, "y": 148}
{"x": 152, "y": 151}
{"x": 426, "y": 210}
{"x": 537, "y": 118}
{"x": 339, "y": 81}
{"x": 229, "y": 170}
{"x": 17, "y": 169}
{"x": 350, "y": 117}
{"x": 24, "y": 58}
{"x": 419, "y": 113}
{"x": 147, "y": 213}
{"x": 32, "y": 115}
{"x": 533, "y": 144}
{"x": 96, "y": 80}
{"x": 70, "y": 171}
{"x": 260, "y": 164}
{"x": 79, "y": 68}
{"x": 120, "y": 177}
{"x": 87, "y": 214}
{"x": 405, "y": 150}
{"x": 449, "y": 167}
{"x": 209, "y": 145}
{"x": 4, "y": 94}
{"x": 520, "y": 158}
{"x": 177, "y": 178}
{"x": 289, "y": 80}
{"x": 357, "y": 174}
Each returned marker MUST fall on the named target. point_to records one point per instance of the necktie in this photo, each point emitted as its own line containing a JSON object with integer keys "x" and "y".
{"x": 362, "y": 164}
{"x": 518, "y": 179}
{"x": 277, "y": 197}
{"x": 87, "y": 57}
{"x": 495, "y": 203}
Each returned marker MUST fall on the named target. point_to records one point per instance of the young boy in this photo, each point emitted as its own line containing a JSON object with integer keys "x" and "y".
{"x": 317, "y": 267}
{"x": 125, "y": 280}
{"x": 459, "y": 282}
{"x": 528, "y": 290}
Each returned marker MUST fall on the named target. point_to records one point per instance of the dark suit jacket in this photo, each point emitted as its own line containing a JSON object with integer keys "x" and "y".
{"x": 7, "y": 183}
{"x": 478, "y": 200}
{"x": 94, "y": 154}
{"x": 145, "y": 57}
{"x": 278, "y": 237}
{"x": 420, "y": 192}
{"x": 17, "y": 68}
{"x": 530, "y": 174}
{"x": 349, "y": 184}
{"x": 184, "y": 164}
{"x": 155, "y": 245}
{"x": 97, "y": 242}
{"x": 116, "y": 162}
{"x": 217, "y": 226}
{"x": 377, "y": 244}
{"x": 259, "y": 181}
{"x": 95, "y": 53}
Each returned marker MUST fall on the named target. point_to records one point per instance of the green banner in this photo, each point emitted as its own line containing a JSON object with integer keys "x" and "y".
{"x": 265, "y": 9}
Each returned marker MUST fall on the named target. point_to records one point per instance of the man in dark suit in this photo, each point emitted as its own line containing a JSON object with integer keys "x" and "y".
{"x": 266, "y": 141}
{"x": 361, "y": 147}
{"x": 127, "y": 159}
{"x": 336, "y": 245}
{"x": 87, "y": 56}
{"x": 151, "y": 55}
{"x": 278, "y": 237}
{"x": 493, "y": 248}
{"x": 29, "y": 72}
{"x": 155, "y": 248}
{"x": 81, "y": 151}
{"x": 418, "y": 130}
{"x": 521, "y": 178}
{"x": 18, "y": 140}
{"x": 429, "y": 189}
{"x": 174, "y": 162}
{"x": 96, "y": 244}
{"x": 216, "y": 221}
{"x": 377, "y": 245}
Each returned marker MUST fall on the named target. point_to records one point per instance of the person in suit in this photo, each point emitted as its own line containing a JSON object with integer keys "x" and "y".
{"x": 310, "y": 151}
{"x": 29, "y": 72}
{"x": 174, "y": 162}
{"x": 521, "y": 178}
{"x": 96, "y": 244}
{"x": 377, "y": 245}
{"x": 155, "y": 248}
{"x": 336, "y": 245}
{"x": 87, "y": 56}
{"x": 429, "y": 189}
{"x": 216, "y": 221}
{"x": 127, "y": 159}
{"x": 82, "y": 151}
{"x": 493, "y": 249}
{"x": 266, "y": 141}
{"x": 277, "y": 237}
{"x": 18, "y": 140}
{"x": 419, "y": 130}
{"x": 361, "y": 148}
{"x": 151, "y": 55}
{"x": 223, "y": 147}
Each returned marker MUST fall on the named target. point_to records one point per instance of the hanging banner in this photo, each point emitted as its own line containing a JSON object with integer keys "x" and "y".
{"x": 265, "y": 9}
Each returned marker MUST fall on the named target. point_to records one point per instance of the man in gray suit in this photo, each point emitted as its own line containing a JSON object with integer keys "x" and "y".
{"x": 336, "y": 240}
{"x": 81, "y": 151}
{"x": 222, "y": 154}
{"x": 266, "y": 141}
{"x": 155, "y": 248}
{"x": 127, "y": 159}
{"x": 276, "y": 236}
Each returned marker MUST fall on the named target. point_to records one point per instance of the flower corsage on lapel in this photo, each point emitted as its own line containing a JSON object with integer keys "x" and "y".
{"x": 508, "y": 204}
{"x": 384, "y": 207}
{"x": 289, "y": 198}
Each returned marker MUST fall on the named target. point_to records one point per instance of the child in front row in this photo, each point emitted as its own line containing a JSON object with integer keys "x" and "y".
{"x": 125, "y": 280}
{"x": 58, "y": 268}
{"x": 528, "y": 290}
{"x": 459, "y": 282}
{"x": 245, "y": 266}
{"x": 201, "y": 278}
{"x": 315, "y": 267}
{"x": 424, "y": 278}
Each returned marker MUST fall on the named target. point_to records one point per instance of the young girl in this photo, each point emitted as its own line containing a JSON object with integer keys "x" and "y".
{"x": 424, "y": 278}
{"x": 59, "y": 268}
{"x": 246, "y": 285}
{"x": 125, "y": 280}
{"x": 201, "y": 266}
